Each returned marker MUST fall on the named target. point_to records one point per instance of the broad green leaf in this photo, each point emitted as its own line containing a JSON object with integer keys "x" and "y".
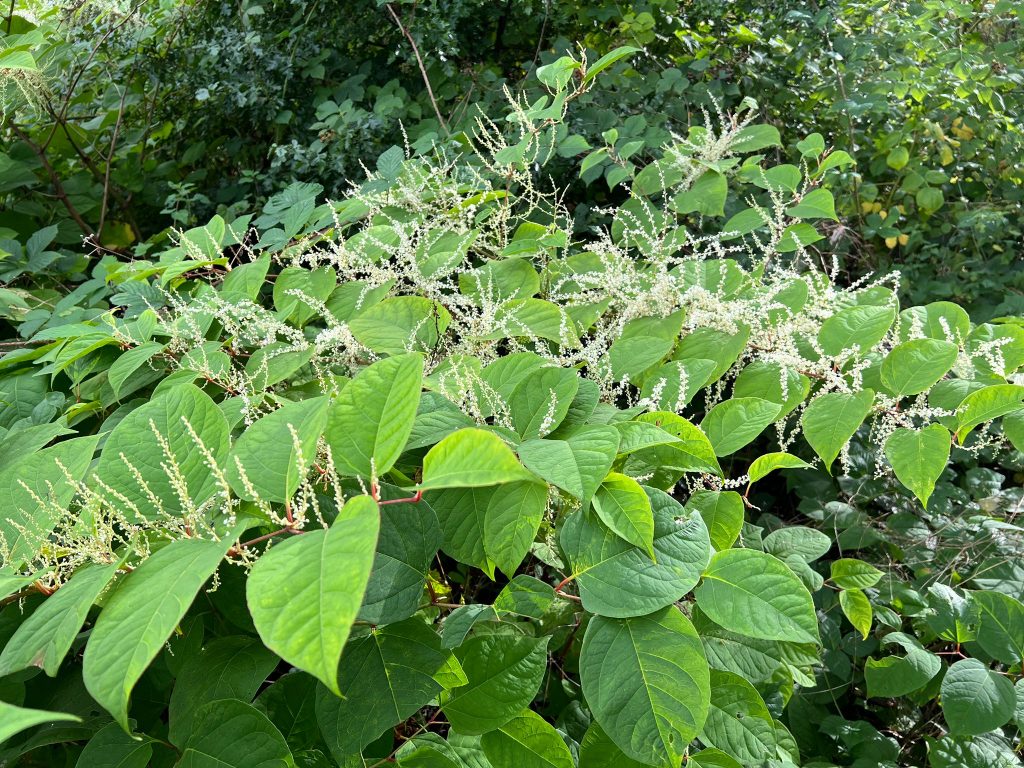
{"x": 490, "y": 527}
{"x": 304, "y": 593}
{"x": 134, "y": 462}
{"x": 693, "y": 451}
{"x": 858, "y": 326}
{"x": 857, "y": 608}
{"x": 712, "y": 758}
{"x": 607, "y": 60}
{"x": 764, "y": 465}
{"x": 471, "y": 458}
{"x": 619, "y": 580}
{"x": 753, "y": 593}
{"x": 756, "y": 660}
{"x": 293, "y": 288}
{"x": 797, "y": 540}
{"x": 25, "y": 525}
{"x": 525, "y": 596}
{"x": 894, "y": 676}
{"x": 849, "y": 573}
{"x": 14, "y": 720}
{"x": 706, "y": 196}
{"x": 111, "y": 747}
{"x": 557, "y": 74}
{"x": 797, "y": 236}
{"x": 267, "y": 457}
{"x": 384, "y": 677}
{"x": 919, "y": 457}
{"x": 985, "y": 751}
{"x": 578, "y": 463}
{"x": 722, "y": 512}
{"x": 45, "y": 637}
{"x": 975, "y": 699}
{"x": 985, "y": 405}
{"x": 738, "y": 721}
{"x": 369, "y": 423}
{"x": 914, "y": 366}
{"x": 401, "y": 324}
{"x": 233, "y": 734}
{"x": 599, "y": 751}
{"x": 751, "y": 138}
{"x": 939, "y": 320}
{"x": 1000, "y": 626}
{"x": 428, "y": 750}
{"x": 128, "y": 363}
{"x": 734, "y": 423}
{"x": 526, "y": 741}
{"x": 410, "y": 536}
{"x": 816, "y": 204}
{"x": 227, "y": 668}
{"x": 540, "y": 402}
{"x": 140, "y": 615}
{"x": 623, "y": 506}
{"x": 647, "y": 683}
{"x": 505, "y": 673}
{"x": 831, "y": 419}
{"x": 674, "y": 384}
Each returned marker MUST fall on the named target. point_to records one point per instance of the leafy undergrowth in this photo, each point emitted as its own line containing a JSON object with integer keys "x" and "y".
{"x": 426, "y": 476}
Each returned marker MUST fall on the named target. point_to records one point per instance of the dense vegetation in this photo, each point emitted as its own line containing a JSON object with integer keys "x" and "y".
{"x": 499, "y": 385}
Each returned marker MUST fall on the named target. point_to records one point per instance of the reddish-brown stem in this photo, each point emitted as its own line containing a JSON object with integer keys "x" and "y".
{"x": 288, "y": 513}
{"x": 238, "y": 550}
{"x": 414, "y": 499}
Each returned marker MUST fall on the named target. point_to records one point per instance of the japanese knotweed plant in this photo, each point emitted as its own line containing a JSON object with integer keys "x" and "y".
{"x": 429, "y": 476}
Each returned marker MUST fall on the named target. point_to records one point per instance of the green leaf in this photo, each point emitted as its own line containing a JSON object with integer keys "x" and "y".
{"x": 849, "y": 573}
{"x": 751, "y": 138}
{"x": 25, "y": 525}
{"x": 128, "y": 363}
{"x": 914, "y": 366}
{"x": 860, "y": 326}
{"x": 304, "y": 593}
{"x": 525, "y": 596}
{"x": 384, "y": 678}
{"x": 471, "y": 458}
{"x": 111, "y": 747}
{"x": 607, "y": 60}
{"x": 706, "y": 196}
{"x": 14, "y": 720}
{"x": 401, "y": 324}
{"x": 734, "y": 423}
{"x": 136, "y": 442}
{"x": 623, "y": 506}
{"x": 976, "y": 700}
{"x": 232, "y": 734}
{"x": 647, "y": 683}
{"x": 45, "y": 637}
{"x": 1000, "y": 626}
{"x": 691, "y": 451}
{"x": 292, "y": 287}
{"x": 722, "y": 512}
{"x": 490, "y": 527}
{"x": 831, "y": 420}
{"x": 894, "y": 676}
{"x": 797, "y": 236}
{"x": 505, "y": 673}
{"x": 985, "y": 405}
{"x": 919, "y": 457}
{"x": 139, "y": 617}
{"x": 753, "y": 659}
{"x": 816, "y": 204}
{"x": 800, "y": 541}
{"x": 857, "y": 608}
{"x": 762, "y": 466}
{"x": 578, "y": 463}
{"x": 267, "y": 457}
{"x": 558, "y": 74}
{"x": 599, "y": 751}
{"x": 410, "y": 536}
{"x": 541, "y": 401}
{"x": 370, "y": 422}
{"x": 752, "y": 593}
{"x": 227, "y": 668}
{"x": 526, "y": 741}
{"x": 738, "y": 721}
{"x": 619, "y": 580}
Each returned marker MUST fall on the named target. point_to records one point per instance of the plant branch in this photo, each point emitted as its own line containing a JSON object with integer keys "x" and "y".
{"x": 419, "y": 61}
{"x": 58, "y": 188}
